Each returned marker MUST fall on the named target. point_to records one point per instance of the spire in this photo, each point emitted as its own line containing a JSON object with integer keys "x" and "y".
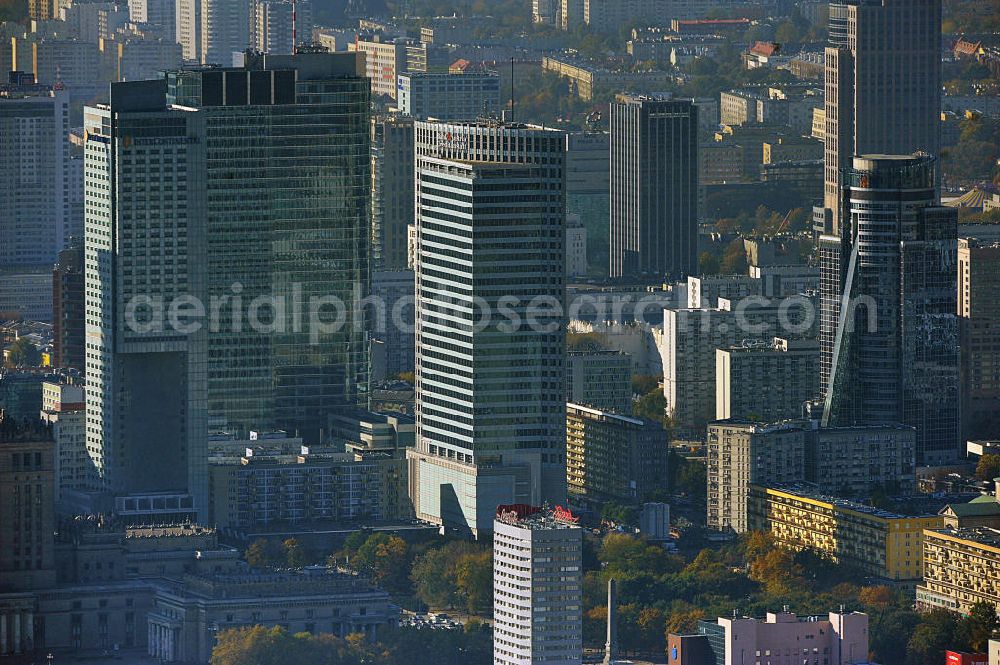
{"x": 611, "y": 646}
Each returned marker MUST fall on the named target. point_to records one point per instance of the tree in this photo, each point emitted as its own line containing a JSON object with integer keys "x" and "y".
{"x": 295, "y": 556}
{"x": 409, "y": 377}
{"x": 619, "y": 514}
{"x": 23, "y": 353}
{"x": 778, "y": 572}
{"x": 932, "y": 636}
{"x": 264, "y": 553}
{"x": 988, "y": 467}
{"x": 787, "y": 33}
{"x": 708, "y": 263}
{"x": 734, "y": 259}
{"x": 474, "y": 581}
{"x": 653, "y": 406}
{"x": 386, "y": 558}
{"x": 980, "y": 626}
{"x": 643, "y": 384}
{"x": 432, "y": 583}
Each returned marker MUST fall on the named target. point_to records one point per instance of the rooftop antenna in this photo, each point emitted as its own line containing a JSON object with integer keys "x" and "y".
{"x": 295, "y": 20}
{"x": 512, "y": 88}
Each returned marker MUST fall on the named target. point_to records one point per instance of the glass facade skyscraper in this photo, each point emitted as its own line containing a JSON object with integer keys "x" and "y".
{"x": 247, "y": 189}
{"x": 490, "y": 347}
{"x": 895, "y": 356}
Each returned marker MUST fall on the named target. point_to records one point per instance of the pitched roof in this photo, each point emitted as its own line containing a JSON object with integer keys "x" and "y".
{"x": 974, "y": 508}
{"x": 765, "y": 48}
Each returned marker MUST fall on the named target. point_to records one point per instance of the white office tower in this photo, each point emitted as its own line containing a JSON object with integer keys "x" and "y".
{"x": 537, "y": 587}
{"x": 490, "y": 334}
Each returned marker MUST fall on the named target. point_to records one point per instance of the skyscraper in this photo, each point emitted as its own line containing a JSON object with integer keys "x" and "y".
{"x": 244, "y": 187}
{"x": 34, "y": 121}
{"x": 883, "y": 82}
{"x": 883, "y": 85}
{"x": 654, "y": 188}
{"x": 895, "y": 353}
{"x": 392, "y": 190}
{"x": 490, "y": 331}
{"x": 67, "y": 308}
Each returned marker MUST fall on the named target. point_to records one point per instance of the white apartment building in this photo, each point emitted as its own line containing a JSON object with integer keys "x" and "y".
{"x": 537, "y": 587}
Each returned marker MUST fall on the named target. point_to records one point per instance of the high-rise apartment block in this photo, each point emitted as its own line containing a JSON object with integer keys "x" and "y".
{"x": 537, "y": 587}
{"x": 691, "y": 338}
{"x": 894, "y": 357}
{"x": 160, "y": 15}
{"x": 611, "y": 457}
{"x": 192, "y": 178}
{"x": 741, "y": 454}
{"x": 654, "y": 188}
{"x": 601, "y": 379}
{"x": 979, "y": 330}
{"x": 211, "y": 31}
{"x": 385, "y": 60}
{"x": 490, "y": 335}
{"x": 766, "y": 381}
{"x": 452, "y": 97}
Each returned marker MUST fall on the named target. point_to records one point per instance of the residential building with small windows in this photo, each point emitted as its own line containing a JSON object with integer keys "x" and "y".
{"x": 601, "y": 379}
{"x": 961, "y": 568}
{"x": 842, "y": 461}
{"x": 884, "y": 544}
{"x": 537, "y": 587}
{"x": 63, "y": 411}
{"x": 745, "y": 385}
{"x": 611, "y": 457}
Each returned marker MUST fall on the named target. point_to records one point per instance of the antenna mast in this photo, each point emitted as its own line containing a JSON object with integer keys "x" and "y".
{"x": 294, "y": 25}
{"x": 512, "y": 88}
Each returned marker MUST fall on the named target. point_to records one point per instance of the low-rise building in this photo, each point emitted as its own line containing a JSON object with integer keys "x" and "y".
{"x": 839, "y": 639}
{"x": 586, "y": 77}
{"x": 961, "y": 568}
{"x": 186, "y": 614}
{"x": 884, "y": 544}
{"x": 610, "y": 457}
